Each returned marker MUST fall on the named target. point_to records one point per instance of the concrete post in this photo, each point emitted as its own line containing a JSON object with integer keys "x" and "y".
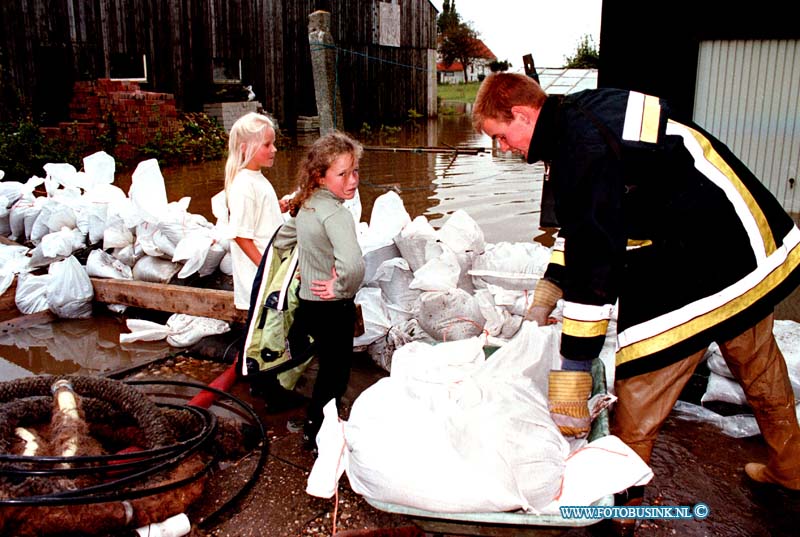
{"x": 323, "y": 66}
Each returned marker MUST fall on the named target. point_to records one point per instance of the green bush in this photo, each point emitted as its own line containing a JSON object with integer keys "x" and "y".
{"x": 24, "y": 150}
{"x": 201, "y": 138}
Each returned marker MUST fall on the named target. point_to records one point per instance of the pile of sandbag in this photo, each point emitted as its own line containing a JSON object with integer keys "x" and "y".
{"x": 138, "y": 236}
{"x": 440, "y": 284}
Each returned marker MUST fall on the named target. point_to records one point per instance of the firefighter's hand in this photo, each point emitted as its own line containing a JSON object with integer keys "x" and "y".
{"x": 539, "y": 314}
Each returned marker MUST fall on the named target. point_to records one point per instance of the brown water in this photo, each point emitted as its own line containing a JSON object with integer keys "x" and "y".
{"x": 499, "y": 191}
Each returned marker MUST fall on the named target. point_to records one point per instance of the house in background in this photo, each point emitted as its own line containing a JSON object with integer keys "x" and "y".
{"x": 734, "y": 72}
{"x": 454, "y": 72}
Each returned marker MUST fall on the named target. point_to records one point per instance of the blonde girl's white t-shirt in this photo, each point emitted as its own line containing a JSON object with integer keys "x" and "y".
{"x": 254, "y": 214}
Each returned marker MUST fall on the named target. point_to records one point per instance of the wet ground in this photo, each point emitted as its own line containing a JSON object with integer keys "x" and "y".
{"x": 693, "y": 462}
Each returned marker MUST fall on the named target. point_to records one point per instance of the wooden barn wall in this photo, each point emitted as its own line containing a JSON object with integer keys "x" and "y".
{"x": 47, "y": 45}
{"x": 378, "y": 84}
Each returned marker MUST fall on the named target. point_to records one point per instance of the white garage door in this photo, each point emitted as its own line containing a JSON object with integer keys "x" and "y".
{"x": 748, "y": 95}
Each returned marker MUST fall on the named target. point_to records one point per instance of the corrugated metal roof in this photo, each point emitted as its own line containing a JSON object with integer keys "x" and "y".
{"x": 560, "y": 81}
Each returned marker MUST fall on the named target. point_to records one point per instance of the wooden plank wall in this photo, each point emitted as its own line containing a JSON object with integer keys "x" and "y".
{"x": 47, "y": 45}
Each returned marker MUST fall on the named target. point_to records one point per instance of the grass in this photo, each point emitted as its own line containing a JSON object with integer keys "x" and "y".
{"x": 462, "y": 93}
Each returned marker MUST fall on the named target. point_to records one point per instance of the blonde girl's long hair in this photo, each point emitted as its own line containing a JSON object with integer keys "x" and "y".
{"x": 246, "y": 135}
{"x": 316, "y": 163}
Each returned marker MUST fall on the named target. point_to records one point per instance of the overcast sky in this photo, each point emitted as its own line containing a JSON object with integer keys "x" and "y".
{"x": 548, "y": 29}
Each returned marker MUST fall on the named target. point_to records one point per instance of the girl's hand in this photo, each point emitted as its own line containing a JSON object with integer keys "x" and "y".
{"x": 324, "y": 288}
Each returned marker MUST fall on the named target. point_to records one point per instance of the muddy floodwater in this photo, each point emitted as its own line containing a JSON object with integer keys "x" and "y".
{"x": 693, "y": 462}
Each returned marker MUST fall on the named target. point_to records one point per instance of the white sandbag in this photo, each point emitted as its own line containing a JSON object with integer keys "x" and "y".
{"x": 91, "y": 220}
{"x": 388, "y": 217}
{"x": 106, "y": 195}
{"x": 412, "y": 241}
{"x": 193, "y": 250}
{"x": 450, "y": 315}
{"x": 62, "y": 242}
{"x": 61, "y": 173}
{"x": 100, "y": 264}
{"x": 100, "y": 167}
{"x": 31, "y": 296}
{"x": 53, "y": 216}
{"x": 56, "y": 246}
{"x": 186, "y": 330}
{"x": 147, "y": 192}
{"x": 31, "y": 214}
{"x": 442, "y": 363}
{"x": 5, "y": 225}
{"x": 376, "y": 317}
{"x": 181, "y": 330}
{"x": 601, "y": 468}
{"x": 226, "y": 264}
{"x": 382, "y": 350}
{"x": 724, "y": 390}
{"x": 499, "y": 321}
{"x": 438, "y": 274}
{"x": 216, "y": 253}
{"x": 16, "y": 218}
{"x": 146, "y": 241}
{"x": 163, "y": 244}
{"x": 69, "y": 291}
{"x": 116, "y": 234}
{"x": 480, "y": 444}
{"x": 722, "y": 385}
{"x": 375, "y": 257}
{"x": 11, "y": 191}
{"x": 517, "y": 265}
{"x": 716, "y": 363}
{"x": 736, "y": 426}
{"x": 515, "y": 301}
{"x": 129, "y": 255}
{"x": 13, "y": 260}
{"x": 155, "y": 269}
{"x": 394, "y": 278}
{"x": 142, "y": 330}
{"x": 461, "y": 233}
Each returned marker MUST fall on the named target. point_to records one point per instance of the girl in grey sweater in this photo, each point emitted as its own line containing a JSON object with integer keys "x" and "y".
{"x": 331, "y": 266}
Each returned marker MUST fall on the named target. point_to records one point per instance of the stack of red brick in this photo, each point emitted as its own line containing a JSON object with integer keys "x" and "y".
{"x": 100, "y": 107}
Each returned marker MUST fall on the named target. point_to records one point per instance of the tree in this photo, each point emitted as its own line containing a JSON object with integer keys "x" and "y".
{"x": 458, "y": 41}
{"x": 448, "y": 18}
{"x": 586, "y": 55}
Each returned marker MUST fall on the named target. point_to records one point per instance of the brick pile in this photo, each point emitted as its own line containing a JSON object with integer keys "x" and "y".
{"x": 138, "y": 116}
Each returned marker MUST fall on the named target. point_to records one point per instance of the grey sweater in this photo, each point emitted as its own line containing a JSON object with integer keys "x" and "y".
{"x": 325, "y": 233}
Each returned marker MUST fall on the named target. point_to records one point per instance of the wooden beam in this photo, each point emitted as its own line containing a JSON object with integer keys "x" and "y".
{"x": 212, "y": 303}
{"x": 8, "y": 304}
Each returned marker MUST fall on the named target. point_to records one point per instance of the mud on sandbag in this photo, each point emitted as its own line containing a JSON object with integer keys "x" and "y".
{"x": 450, "y": 315}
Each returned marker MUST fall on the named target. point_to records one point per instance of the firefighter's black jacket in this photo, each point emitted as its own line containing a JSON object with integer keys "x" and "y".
{"x": 661, "y": 217}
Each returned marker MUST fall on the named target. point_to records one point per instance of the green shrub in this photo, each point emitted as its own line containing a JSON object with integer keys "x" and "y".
{"x": 24, "y": 150}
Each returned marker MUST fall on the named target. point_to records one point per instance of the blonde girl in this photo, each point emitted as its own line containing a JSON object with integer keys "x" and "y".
{"x": 331, "y": 266}
{"x": 254, "y": 210}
